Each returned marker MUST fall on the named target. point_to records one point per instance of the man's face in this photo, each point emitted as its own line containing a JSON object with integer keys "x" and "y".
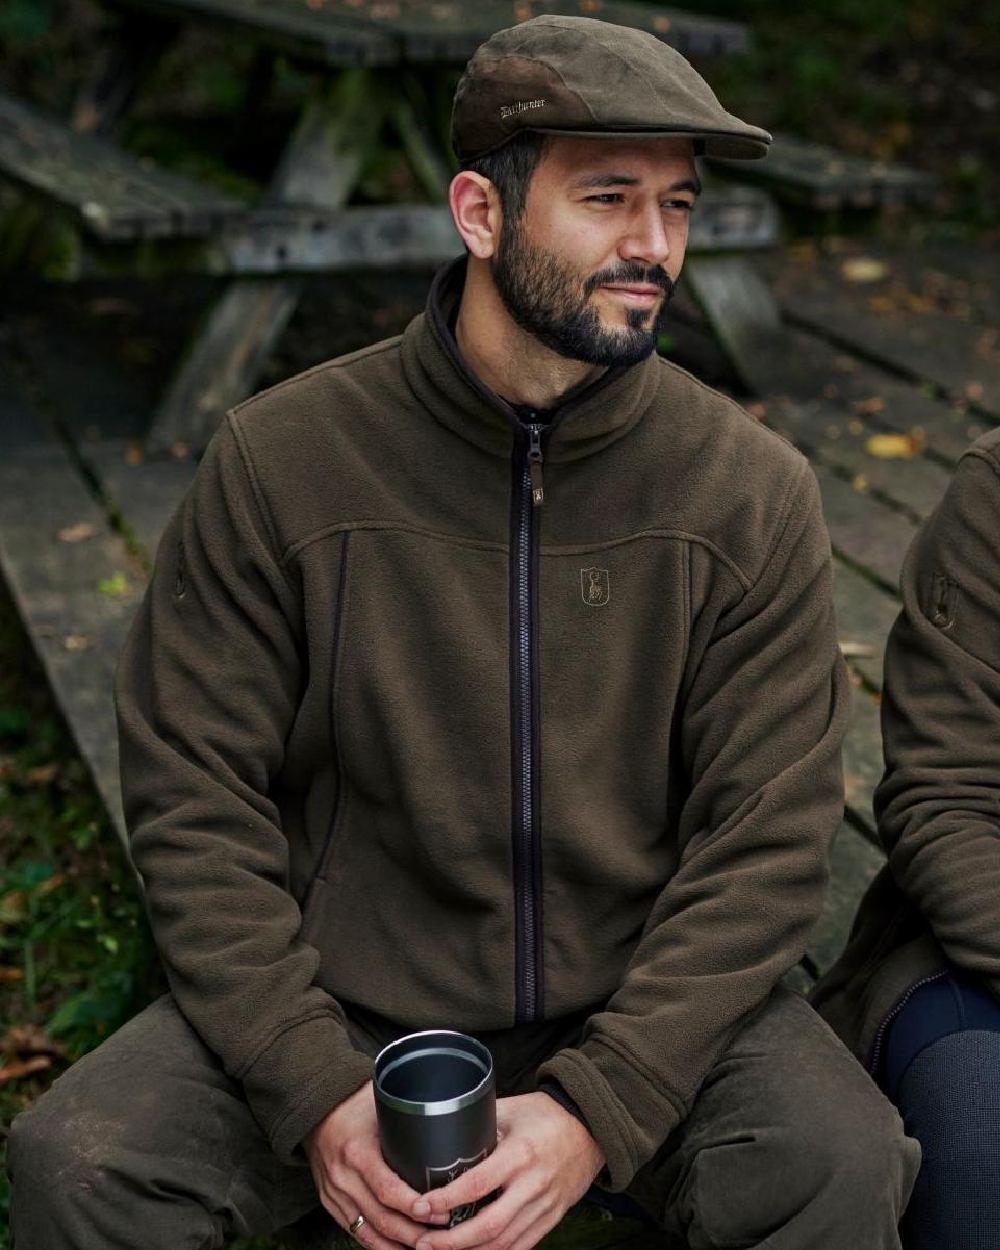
{"x": 590, "y": 266}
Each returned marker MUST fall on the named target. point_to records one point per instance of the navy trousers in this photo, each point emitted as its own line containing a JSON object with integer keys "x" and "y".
{"x": 941, "y": 1067}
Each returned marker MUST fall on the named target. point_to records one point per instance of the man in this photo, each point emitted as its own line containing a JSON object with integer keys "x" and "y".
{"x": 916, "y": 994}
{"x": 488, "y": 679}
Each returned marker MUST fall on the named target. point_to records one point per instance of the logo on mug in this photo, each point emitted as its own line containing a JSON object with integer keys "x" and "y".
{"x": 595, "y": 587}
{"x": 437, "y": 1177}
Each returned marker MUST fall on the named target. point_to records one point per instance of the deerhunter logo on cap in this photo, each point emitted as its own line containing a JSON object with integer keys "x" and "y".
{"x": 593, "y": 78}
{"x": 520, "y": 106}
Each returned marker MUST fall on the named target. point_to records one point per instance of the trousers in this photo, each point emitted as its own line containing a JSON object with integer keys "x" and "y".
{"x": 942, "y": 1069}
{"x": 788, "y": 1144}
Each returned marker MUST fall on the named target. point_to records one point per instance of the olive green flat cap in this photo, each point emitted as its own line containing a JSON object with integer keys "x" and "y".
{"x": 581, "y": 76}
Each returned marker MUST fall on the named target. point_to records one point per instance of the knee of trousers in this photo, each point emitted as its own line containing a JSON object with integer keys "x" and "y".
{"x": 845, "y": 1164}
{"x": 59, "y": 1155}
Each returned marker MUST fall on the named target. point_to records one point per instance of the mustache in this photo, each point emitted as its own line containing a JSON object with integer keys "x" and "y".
{"x": 629, "y": 273}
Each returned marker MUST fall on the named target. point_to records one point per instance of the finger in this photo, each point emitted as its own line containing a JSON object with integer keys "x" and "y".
{"x": 495, "y": 1172}
{"x": 391, "y": 1191}
{"x": 367, "y": 1234}
{"x": 485, "y": 1227}
{"x": 389, "y": 1223}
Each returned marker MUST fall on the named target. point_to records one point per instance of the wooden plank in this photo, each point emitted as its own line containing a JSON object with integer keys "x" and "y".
{"x": 422, "y": 31}
{"x": 144, "y": 492}
{"x": 865, "y": 531}
{"x": 111, "y": 194}
{"x": 882, "y": 400}
{"x": 913, "y": 482}
{"x": 862, "y": 758}
{"x": 275, "y": 240}
{"x": 315, "y": 35}
{"x": 854, "y": 861}
{"x": 76, "y": 627}
{"x": 729, "y": 215}
{"x": 824, "y": 178}
{"x": 883, "y": 321}
{"x": 865, "y": 614}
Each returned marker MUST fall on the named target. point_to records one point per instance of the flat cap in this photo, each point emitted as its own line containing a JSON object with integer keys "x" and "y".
{"x": 581, "y": 76}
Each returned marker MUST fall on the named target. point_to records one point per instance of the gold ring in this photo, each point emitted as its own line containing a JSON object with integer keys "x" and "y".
{"x": 356, "y": 1224}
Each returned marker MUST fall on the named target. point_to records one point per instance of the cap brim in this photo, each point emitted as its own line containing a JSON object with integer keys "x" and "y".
{"x": 732, "y": 146}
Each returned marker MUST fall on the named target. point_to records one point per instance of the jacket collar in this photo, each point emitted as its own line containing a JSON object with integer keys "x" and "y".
{"x": 587, "y": 421}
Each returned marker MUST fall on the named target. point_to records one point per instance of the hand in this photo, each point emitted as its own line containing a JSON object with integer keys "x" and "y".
{"x": 353, "y": 1178}
{"x": 545, "y": 1161}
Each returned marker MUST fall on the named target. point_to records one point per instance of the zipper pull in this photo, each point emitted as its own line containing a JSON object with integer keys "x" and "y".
{"x": 535, "y": 465}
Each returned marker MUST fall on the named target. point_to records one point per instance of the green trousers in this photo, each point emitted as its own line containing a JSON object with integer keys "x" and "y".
{"x": 146, "y": 1142}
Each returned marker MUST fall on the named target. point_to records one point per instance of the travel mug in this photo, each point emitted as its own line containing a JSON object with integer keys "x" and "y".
{"x": 435, "y": 1095}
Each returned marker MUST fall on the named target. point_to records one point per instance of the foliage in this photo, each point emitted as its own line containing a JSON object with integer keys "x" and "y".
{"x": 76, "y": 958}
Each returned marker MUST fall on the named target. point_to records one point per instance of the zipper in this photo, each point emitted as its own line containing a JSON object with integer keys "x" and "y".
{"x": 528, "y": 495}
{"x": 876, "y": 1050}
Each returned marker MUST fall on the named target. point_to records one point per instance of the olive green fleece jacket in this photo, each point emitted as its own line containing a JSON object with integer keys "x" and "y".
{"x": 395, "y": 736}
{"x": 938, "y": 804}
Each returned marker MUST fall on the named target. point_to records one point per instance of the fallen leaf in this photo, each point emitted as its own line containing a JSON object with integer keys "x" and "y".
{"x": 974, "y": 390}
{"x": 134, "y": 454}
{"x": 114, "y": 586}
{"x": 661, "y": 24}
{"x": 106, "y": 304}
{"x": 875, "y": 403}
{"x": 43, "y": 774}
{"x": 10, "y": 976}
{"x": 863, "y": 269}
{"x": 180, "y": 451}
{"x": 14, "y": 1071}
{"x": 78, "y": 642}
{"x": 893, "y": 446}
{"x": 13, "y": 907}
{"x": 29, "y": 1039}
{"x": 77, "y": 533}
{"x": 860, "y": 483}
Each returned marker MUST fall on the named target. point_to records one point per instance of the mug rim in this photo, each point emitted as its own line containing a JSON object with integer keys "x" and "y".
{"x": 443, "y": 1106}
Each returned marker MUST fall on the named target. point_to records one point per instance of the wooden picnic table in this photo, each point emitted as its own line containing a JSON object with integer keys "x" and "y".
{"x": 373, "y": 53}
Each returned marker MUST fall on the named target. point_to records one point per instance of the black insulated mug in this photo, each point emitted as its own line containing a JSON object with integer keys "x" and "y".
{"x": 435, "y": 1095}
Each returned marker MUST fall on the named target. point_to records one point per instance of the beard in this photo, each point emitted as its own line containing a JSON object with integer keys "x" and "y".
{"x": 544, "y": 296}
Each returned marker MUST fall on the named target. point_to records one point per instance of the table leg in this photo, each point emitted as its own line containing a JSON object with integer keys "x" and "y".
{"x": 319, "y": 168}
{"x": 743, "y": 315}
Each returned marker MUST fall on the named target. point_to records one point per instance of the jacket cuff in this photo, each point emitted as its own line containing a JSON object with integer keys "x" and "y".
{"x": 556, "y": 1091}
{"x": 627, "y": 1115}
{"x": 300, "y": 1076}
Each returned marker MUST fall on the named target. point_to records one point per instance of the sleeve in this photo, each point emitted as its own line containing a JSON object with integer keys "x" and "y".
{"x": 206, "y": 691}
{"x": 761, "y": 730}
{"x": 938, "y": 804}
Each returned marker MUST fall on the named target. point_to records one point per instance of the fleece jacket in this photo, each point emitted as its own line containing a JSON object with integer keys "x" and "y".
{"x": 475, "y": 724}
{"x": 934, "y": 904}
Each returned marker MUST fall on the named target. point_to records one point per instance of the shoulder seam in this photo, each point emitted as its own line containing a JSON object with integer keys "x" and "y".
{"x": 981, "y": 453}
{"x": 324, "y": 366}
{"x": 250, "y": 469}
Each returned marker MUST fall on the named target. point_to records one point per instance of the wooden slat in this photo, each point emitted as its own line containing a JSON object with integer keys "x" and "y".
{"x": 865, "y": 614}
{"x": 842, "y": 441}
{"x": 864, "y": 530}
{"x": 145, "y": 492}
{"x": 729, "y": 215}
{"x": 422, "y": 31}
{"x": 882, "y": 321}
{"x": 862, "y": 757}
{"x": 76, "y": 629}
{"x": 114, "y": 196}
{"x": 824, "y": 178}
